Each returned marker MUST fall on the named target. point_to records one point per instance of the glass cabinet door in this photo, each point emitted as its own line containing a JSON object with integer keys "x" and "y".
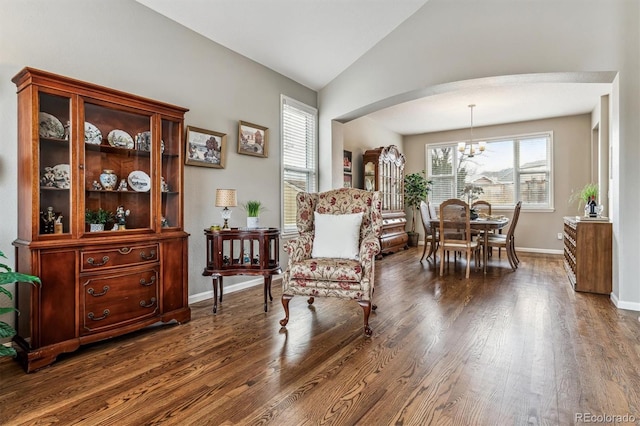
{"x": 54, "y": 164}
{"x": 170, "y": 177}
{"x": 117, "y": 168}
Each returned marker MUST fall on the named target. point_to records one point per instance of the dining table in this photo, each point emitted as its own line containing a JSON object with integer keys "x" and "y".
{"x": 479, "y": 224}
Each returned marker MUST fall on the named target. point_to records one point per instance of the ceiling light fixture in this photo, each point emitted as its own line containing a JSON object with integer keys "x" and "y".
{"x": 472, "y": 150}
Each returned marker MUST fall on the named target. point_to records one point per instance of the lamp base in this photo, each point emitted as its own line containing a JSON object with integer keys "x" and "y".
{"x": 226, "y": 224}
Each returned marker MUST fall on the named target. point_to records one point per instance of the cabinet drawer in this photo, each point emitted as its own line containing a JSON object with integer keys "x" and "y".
{"x": 119, "y": 256}
{"x": 118, "y": 298}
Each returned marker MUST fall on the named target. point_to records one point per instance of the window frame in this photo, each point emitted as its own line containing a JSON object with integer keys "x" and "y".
{"x": 550, "y": 207}
{"x": 312, "y": 172}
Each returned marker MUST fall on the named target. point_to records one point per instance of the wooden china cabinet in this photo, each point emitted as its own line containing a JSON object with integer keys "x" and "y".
{"x": 384, "y": 172}
{"x": 86, "y": 147}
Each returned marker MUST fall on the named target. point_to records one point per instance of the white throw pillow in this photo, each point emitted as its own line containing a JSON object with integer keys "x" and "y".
{"x": 336, "y": 235}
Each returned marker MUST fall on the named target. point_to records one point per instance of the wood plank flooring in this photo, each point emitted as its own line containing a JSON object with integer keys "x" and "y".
{"x": 508, "y": 348}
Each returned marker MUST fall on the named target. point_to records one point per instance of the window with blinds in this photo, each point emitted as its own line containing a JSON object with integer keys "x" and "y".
{"x": 509, "y": 170}
{"x": 299, "y": 159}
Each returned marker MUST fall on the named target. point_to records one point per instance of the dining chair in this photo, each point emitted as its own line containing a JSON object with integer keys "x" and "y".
{"x": 482, "y": 206}
{"x": 430, "y": 237}
{"x": 454, "y": 215}
{"x": 507, "y": 241}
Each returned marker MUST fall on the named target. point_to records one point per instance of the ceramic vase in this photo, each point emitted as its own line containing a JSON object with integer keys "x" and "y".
{"x": 108, "y": 180}
{"x": 253, "y": 222}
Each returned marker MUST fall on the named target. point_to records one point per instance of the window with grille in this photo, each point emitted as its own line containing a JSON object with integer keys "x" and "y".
{"x": 509, "y": 170}
{"x": 299, "y": 159}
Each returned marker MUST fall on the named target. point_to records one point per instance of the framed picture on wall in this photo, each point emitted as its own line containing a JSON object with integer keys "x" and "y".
{"x": 253, "y": 139}
{"x": 346, "y": 161}
{"x": 205, "y": 148}
{"x": 347, "y": 183}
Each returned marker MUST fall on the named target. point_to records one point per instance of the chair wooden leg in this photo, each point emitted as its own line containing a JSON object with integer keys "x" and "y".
{"x": 424, "y": 250}
{"x": 441, "y": 260}
{"x": 513, "y": 250}
{"x": 512, "y": 262}
{"x": 285, "y": 305}
{"x": 366, "y": 307}
{"x": 468, "y": 262}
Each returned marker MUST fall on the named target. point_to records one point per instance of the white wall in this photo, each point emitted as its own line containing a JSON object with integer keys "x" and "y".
{"x": 448, "y": 41}
{"x": 126, "y": 46}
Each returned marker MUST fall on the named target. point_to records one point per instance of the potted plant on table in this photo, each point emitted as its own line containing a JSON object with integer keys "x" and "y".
{"x": 253, "y": 209}
{"x": 7, "y": 276}
{"x": 97, "y": 219}
{"x": 471, "y": 192}
{"x": 416, "y": 189}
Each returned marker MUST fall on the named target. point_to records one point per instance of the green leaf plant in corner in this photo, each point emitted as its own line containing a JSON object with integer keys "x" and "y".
{"x": 7, "y": 276}
{"x": 416, "y": 189}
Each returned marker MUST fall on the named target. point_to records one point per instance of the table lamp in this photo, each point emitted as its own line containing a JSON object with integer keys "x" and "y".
{"x": 226, "y": 198}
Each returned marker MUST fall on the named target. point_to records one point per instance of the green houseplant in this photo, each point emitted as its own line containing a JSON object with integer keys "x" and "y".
{"x": 97, "y": 219}
{"x": 416, "y": 189}
{"x": 584, "y": 195}
{"x": 7, "y": 276}
{"x": 253, "y": 209}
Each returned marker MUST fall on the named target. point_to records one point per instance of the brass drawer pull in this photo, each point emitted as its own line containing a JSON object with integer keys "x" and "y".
{"x": 92, "y": 292}
{"x": 151, "y": 303}
{"x": 152, "y": 254}
{"x": 105, "y": 314}
{"x": 147, "y": 284}
{"x": 124, "y": 250}
{"x": 91, "y": 261}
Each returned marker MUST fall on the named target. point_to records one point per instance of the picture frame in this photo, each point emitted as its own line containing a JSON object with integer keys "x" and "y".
{"x": 347, "y": 181}
{"x": 253, "y": 139}
{"x": 205, "y": 148}
{"x": 346, "y": 161}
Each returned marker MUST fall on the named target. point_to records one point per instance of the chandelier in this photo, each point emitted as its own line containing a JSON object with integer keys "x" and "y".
{"x": 469, "y": 148}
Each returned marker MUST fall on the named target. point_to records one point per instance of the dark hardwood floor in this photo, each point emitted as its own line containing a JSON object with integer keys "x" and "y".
{"x": 508, "y": 348}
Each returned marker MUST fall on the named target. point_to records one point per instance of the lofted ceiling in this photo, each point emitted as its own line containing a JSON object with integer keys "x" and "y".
{"x": 335, "y": 33}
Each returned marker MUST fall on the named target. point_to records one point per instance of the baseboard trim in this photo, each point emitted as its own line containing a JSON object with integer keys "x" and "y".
{"x": 621, "y": 304}
{"x": 199, "y": 297}
{"x": 525, "y": 249}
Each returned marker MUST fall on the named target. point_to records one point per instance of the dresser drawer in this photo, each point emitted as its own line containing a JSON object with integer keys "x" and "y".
{"x": 119, "y": 256}
{"x": 115, "y": 299}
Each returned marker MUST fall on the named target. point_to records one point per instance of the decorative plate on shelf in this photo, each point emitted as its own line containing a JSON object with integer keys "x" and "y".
{"x": 139, "y": 181}
{"x": 62, "y": 176}
{"x": 120, "y": 139}
{"x": 50, "y": 126}
{"x": 92, "y": 134}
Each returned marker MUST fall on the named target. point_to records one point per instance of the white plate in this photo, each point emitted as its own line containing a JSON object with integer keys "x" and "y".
{"x": 92, "y": 134}
{"x": 50, "y": 126}
{"x": 139, "y": 181}
{"x": 62, "y": 176}
{"x": 120, "y": 139}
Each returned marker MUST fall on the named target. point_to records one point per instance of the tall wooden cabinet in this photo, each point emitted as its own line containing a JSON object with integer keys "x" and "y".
{"x": 85, "y": 147}
{"x": 588, "y": 254}
{"x": 384, "y": 172}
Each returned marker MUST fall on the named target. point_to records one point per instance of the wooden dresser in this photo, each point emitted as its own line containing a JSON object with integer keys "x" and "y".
{"x": 588, "y": 254}
{"x": 85, "y": 147}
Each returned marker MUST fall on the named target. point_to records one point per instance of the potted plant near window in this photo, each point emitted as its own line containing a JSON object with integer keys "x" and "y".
{"x": 471, "y": 192}
{"x": 253, "y": 209}
{"x": 7, "y": 276}
{"x": 416, "y": 189}
{"x": 97, "y": 219}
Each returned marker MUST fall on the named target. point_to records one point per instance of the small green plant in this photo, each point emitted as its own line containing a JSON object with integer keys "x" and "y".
{"x": 7, "y": 276}
{"x": 253, "y": 208}
{"x": 416, "y": 189}
{"x": 98, "y": 216}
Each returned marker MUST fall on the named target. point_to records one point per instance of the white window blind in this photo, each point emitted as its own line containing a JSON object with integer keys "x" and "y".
{"x": 299, "y": 159}
{"x": 510, "y": 169}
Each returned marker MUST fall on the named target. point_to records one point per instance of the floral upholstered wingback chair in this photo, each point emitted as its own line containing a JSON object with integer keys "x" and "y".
{"x": 313, "y": 270}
